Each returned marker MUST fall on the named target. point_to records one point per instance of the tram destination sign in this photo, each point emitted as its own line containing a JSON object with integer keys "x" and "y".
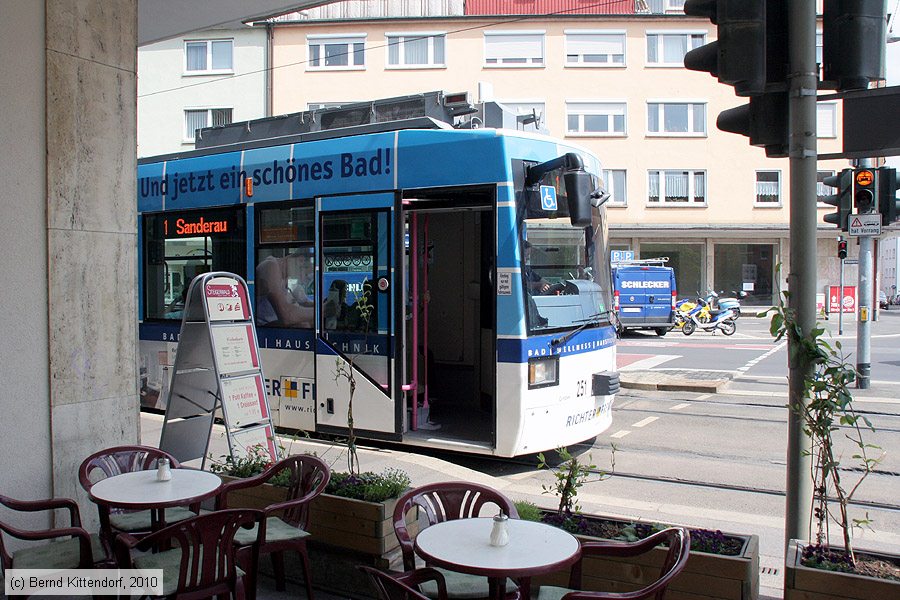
{"x": 864, "y": 225}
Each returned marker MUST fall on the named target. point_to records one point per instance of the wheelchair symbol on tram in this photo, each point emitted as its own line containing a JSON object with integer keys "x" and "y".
{"x": 548, "y": 198}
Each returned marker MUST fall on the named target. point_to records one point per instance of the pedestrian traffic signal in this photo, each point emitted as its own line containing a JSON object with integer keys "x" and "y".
{"x": 888, "y": 205}
{"x": 864, "y": 190}
{"x": 853, "y": 43}
{"x": 842, "y": 200}
{"x": 842, "y": 249}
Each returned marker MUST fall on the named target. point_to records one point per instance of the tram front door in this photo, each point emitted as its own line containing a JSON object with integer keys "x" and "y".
{"x": 355, "y": 326}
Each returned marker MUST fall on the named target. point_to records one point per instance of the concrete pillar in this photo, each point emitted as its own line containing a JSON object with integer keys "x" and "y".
{"x": 69, "y": 239}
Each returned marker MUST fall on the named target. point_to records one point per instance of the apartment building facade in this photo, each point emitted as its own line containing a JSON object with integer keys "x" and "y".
{"x": 211, "y": 77}
{"x": 608, "y": 76}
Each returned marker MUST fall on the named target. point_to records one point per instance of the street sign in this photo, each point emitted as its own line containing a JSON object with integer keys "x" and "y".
{"x": 851, "y": 261}
{"x": 864, "y": 225}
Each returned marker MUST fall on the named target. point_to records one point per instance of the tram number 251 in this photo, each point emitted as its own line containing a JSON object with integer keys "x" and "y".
{"x": 581, "y": 387}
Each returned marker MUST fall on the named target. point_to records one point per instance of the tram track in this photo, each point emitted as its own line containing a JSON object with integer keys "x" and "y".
{"x": 751, "y": 405}
{"x": 696, "y": 483}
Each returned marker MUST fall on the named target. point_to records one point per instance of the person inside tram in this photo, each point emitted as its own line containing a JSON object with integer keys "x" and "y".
{"x": 335, "y": 305}
{"x": 536, "y": 285}
{"x": 277, "y": 303}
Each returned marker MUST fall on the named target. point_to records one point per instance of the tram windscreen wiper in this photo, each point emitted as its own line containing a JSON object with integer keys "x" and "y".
{"x": 592, "y": 320}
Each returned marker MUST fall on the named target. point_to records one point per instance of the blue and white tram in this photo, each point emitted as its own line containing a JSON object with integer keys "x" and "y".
{"x": 478, "y": 254}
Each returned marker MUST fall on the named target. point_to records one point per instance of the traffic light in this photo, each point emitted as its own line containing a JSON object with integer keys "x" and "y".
{"x": 843, "y": 199}
{"x": 842, "y": 249}
{"x": 738, "y": 56}
{"x": 853, "y": 42}
{"x": 888, "y": 205}
{"x": 864, "y": 190}
{"x": 764, "y": 121}
{"x": 751, "y": 53}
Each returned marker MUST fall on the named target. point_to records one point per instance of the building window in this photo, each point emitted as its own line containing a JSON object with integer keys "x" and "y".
{"x": 821, "y": 189}
{"x": 595, "y": 48}
{"x": 826, "y": 119}
{"x": 208, "y": 56}
{"x": 595, "y": 118}
{"x": 337, "y": 52}
{"x": 677, "y": 187}
{"x": 768, "y": 188}
{"x": 526, "y": 108}
{"x": 415, "y": 49}
{"x": 676, "y": 118}
{"x": 615, "y": 186}
{"x": 668, "y": 49}
{"x": 509, "y": 49}
{"x": 207, "y": 117}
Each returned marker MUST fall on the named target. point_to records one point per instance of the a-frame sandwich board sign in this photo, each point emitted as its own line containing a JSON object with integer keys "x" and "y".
{"x": 217, "y": 366}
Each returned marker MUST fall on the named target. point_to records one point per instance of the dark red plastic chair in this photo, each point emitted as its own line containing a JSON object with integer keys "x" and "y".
{"x": 679, "y": 542}
{"x": 446, "y": 501}
{"x": 198, "y": 556}
{"x": 403, "y": 586}
{"x": 287, "y": 522}
{"x": 76, "y": 548}
{"x": 126, "y": 459}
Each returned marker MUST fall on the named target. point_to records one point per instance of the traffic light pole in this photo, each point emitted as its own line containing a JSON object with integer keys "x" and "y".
{"x": 865, "y": 288}
{"x": 802, "y": 277}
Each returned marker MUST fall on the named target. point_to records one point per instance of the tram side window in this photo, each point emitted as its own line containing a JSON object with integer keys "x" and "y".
{"x": 285, "y": 267}
{"x": 354, "y": 256}
{"x": 178, "y": 246}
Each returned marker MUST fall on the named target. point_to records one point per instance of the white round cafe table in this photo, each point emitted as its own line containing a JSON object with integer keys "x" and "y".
{"x": 464, "y": 545}
{"x": 141, "y": 490}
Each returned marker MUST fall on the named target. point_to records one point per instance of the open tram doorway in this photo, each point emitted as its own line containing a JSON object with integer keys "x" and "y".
{"x": 449, "y": 282}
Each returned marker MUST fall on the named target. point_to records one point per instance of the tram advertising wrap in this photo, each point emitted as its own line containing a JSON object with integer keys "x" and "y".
{"x": 461, "y": 273}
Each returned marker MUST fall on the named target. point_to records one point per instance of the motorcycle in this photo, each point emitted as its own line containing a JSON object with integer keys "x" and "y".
{"x": 719, "y": 304}
{"x": 684, "y": 307}
{"x": 724, "y": 320}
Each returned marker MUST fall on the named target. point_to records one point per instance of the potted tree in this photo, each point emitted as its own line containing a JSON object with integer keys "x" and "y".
{"x": 721, "y": 565}
{"x": 818, "y": 568}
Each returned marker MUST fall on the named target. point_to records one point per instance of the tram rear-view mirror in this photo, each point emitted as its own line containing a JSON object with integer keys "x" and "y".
{"x": 579, "y": 187}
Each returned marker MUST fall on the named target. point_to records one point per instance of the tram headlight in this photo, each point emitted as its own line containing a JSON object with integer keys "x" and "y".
{"x": 543, "y": 371}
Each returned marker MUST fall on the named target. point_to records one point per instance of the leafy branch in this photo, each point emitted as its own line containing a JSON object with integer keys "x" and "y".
{"x": 827, "y": 406}
{"x": 344, "y": 369}
{"x": 570, "y": 475}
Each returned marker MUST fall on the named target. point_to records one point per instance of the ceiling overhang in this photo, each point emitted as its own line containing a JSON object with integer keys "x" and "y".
{"x": 163, "y": 19}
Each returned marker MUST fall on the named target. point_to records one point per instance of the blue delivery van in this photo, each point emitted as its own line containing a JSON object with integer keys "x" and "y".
{"x": 644, "y": 294}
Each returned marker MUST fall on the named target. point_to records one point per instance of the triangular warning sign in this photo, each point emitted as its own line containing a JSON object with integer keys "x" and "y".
{"x": 856, "y": 222}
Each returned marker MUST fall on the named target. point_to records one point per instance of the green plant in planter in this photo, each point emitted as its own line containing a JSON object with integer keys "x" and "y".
{"x": 369, "y": 486}
{"x": 254, "y": 462}
{"x": 827, "y": 406}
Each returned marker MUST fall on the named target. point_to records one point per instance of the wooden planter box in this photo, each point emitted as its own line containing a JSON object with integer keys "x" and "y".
{"x": 806, "y": 583}
{"x": 344, "y": 532}
{"x": 356, "y": 525}
{"x": 705, "y": 577}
